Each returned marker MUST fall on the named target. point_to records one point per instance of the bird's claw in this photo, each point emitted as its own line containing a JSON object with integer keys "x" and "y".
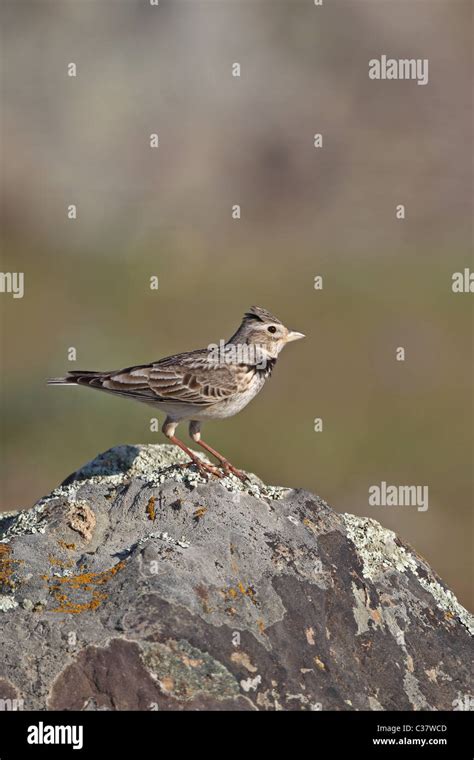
{"x": 204, "y": 468}
{"x": 228, "y": 467}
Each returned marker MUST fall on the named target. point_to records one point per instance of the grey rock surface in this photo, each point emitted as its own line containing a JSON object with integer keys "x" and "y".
{"x": 139, "y": 585}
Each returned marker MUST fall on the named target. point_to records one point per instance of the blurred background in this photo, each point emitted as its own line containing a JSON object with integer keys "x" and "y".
{"x": 305, "y": 212}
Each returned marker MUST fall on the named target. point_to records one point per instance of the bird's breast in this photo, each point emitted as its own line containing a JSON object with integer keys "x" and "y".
{"x": 250, "y": 383}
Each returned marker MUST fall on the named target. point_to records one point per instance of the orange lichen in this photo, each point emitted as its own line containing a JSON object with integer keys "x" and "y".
{"x": 319, "y": 663}
{"x": 61, "y": 587}
{"x": 7, "y": 566}
{"x": 64, "y": 545}
{"x": 150, "y": 508}
{"x": 375, "y": 615}
{"x": 231, "y": 593}
{"x": 59, "y": 562}
{"x": 250, "y": 592}
{"x": 75, "y": 609}
{"x": 90, "y": 579}
{"x": 309, "y": 524}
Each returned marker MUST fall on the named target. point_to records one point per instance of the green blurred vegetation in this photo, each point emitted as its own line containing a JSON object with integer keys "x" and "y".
{"x": 383, "y": 420}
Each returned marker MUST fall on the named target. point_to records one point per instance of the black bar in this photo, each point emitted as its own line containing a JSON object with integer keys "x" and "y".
{"x": 119, "y": 734}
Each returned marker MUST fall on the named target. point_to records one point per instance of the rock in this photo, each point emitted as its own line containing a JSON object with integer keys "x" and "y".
{"x": 139, "y": 585}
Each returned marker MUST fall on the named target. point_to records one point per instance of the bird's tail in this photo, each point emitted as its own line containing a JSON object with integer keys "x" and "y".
{"x": 77, "y": 377}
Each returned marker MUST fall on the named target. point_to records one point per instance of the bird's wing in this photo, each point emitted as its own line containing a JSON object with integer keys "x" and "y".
{"x": 190, "y": 378}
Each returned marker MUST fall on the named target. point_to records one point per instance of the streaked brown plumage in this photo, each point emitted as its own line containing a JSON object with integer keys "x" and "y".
{"x": 202, "y": 384}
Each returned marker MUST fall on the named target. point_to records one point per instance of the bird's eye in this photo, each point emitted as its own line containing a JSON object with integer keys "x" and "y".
{"x": 272, "y": 329}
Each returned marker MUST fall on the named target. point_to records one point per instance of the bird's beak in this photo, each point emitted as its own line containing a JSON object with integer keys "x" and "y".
{"x": 293, "y": 335}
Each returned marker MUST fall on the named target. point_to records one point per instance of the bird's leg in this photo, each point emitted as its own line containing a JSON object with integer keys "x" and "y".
{"x": 195, "y": 433}
{"x": 168, "y": 430}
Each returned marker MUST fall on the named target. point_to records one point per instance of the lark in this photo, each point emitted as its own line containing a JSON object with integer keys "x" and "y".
{"x": 207, "y": 384}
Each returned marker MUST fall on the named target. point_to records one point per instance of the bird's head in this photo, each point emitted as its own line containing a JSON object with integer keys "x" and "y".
{"x": 261, "y": 329}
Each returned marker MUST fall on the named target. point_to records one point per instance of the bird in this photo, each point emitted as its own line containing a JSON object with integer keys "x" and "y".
{"x": 206, "y": 384}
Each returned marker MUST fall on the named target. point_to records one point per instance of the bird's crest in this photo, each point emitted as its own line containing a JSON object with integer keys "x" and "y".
{"x": 256, "y": 312}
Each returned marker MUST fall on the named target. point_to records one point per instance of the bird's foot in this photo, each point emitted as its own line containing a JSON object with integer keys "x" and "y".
{"x": 204, "y": 468}
{"x": 228, "y": 467}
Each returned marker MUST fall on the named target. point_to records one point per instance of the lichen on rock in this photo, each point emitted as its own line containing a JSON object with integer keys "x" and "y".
{"x": 139, "y": 584}
{"x": 381, "y": 551}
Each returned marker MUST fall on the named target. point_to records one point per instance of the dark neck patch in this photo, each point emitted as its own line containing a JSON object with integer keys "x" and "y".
{"x": 265, "y": 370}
